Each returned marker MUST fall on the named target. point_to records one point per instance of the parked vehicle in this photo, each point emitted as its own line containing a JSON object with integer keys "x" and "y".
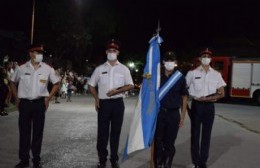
{"x": 242, "y": 76}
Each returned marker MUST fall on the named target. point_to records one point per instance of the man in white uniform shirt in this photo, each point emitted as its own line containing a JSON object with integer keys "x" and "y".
{"x": 206, "y": 86}
{"x": 32, "y": 101}
{"x": 113, "y": 80}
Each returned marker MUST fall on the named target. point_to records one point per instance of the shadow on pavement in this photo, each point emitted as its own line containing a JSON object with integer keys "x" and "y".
{"x": 219, "y": 146}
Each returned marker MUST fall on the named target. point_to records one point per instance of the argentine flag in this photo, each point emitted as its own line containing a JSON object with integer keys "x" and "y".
{"x": 143, "y": 125}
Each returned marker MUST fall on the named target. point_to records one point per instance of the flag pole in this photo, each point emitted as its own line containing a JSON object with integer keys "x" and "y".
{"x": 152, "y": 156}
{"x": 153, "y": 144}
{"x": 32, "y": 28}
{"x": 158, "y": 28}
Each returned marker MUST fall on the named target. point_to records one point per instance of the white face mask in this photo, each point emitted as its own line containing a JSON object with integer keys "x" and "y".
{"x": 112, "y": 56}
{"x": 170, "y": 65}
{"x": 38, "y": 58}
{"x": 205, "y": 61}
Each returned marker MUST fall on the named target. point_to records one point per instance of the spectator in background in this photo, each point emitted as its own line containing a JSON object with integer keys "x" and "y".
{"x": 57, "y": 95}
{"x": 9, "y": 71}
{"x": 3, "y": 91}
{"x": 63, "y": 89}
{"x": 79, "y": 85}
{"x": 70, "y": 88}
{"x": 15, "y": 66}
{"x": 85, "y": 82}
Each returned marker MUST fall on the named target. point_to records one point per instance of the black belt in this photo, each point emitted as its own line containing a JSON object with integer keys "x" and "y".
{"x": 112, "y": 100}
{"x": 202, "y": 102}
{"x": 33, "y": 100}
{"x": 168, "y": 109}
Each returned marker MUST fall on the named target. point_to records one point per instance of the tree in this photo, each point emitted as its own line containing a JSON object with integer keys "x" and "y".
{"x": 73, "y": 32}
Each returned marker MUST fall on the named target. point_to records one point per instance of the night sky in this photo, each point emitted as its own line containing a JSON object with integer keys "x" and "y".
{"x": 186, "y": 25}
{"x": 193, "y": 24}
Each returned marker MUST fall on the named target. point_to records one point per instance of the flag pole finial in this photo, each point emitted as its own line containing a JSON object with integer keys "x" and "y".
{"x": 158, "y": 28}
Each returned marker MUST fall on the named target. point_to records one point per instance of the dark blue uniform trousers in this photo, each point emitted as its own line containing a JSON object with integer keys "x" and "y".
{"x": 31, "y": 125}
{"x": 110, "y": 120}
{"x": 167, "y": 127}
{"x": 202, "y": 118}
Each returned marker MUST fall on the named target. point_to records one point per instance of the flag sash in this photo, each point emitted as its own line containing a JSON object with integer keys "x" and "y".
{"x": 169, "y": 84}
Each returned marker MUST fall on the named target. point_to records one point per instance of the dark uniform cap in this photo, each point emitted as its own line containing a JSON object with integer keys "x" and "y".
{"x": 169, "y": 56}
{"x": 36, "y": 47}
{"x": 206, "y": 51}
{"x": 113, "y": 44}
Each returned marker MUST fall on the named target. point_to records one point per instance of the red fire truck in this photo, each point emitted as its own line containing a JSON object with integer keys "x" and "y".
{"x": 242, "y": 76}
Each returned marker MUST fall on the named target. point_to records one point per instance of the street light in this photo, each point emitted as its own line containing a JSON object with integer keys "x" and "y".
{"x": 131, "y": 65}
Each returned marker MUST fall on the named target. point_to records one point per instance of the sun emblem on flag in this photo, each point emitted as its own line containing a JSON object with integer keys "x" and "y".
{"x": 147, "y": 75}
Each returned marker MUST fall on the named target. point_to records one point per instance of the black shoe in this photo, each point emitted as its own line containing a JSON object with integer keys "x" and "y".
{"x": 203, "y": 165}
{"x": 158, "y": 166}
{"x": 37, "y": 165}
{"x": 57, "y": 102}
{"x": 115, "y": 165}
{"x": 22, "y": 164}
{"x": 3, "y": 113}
{"x": 101, "y": 165}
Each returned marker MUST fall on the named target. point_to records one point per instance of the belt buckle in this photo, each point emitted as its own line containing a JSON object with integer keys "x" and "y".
{"x": 164, "y": 109}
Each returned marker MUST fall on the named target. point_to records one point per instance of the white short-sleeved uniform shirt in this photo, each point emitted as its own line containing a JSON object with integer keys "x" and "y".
{"x": 202, "y": 83}
{"x": 108, "y": 77}
{"x": 33, "y": 83}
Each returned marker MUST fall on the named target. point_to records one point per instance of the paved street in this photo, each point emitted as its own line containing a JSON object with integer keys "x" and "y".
{"x": 70, "y": 137}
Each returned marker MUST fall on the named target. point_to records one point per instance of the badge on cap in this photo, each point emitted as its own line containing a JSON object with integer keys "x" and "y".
{"x": 206, "y": 51}
{"x": 113, "y": 44}
{"x": 36, "y": 47}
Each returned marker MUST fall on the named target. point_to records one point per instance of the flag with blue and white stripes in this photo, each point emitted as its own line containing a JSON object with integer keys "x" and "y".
{"x": 143, "y": 125}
